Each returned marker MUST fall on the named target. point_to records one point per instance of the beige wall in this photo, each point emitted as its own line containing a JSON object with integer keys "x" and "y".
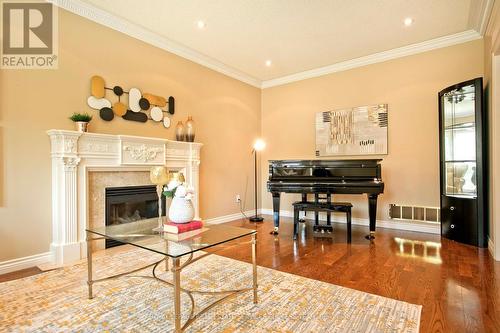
{"x": 226, "y": 113}
{"x": 409, "y": 85}
{"x": 492, "y": 88}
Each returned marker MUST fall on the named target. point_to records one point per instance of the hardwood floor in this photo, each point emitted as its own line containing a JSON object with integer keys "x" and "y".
{"x": 458, "y": 285}
{"x": 20, "y": 274}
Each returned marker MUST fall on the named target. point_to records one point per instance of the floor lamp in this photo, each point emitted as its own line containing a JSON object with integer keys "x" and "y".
{"x": 257, "y": 146}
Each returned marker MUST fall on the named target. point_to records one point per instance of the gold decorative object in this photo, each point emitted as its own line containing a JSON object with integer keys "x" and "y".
{"x": 97, "y": 86}
{"x": 159, "y": 176}
{"x": 181, "y": 178}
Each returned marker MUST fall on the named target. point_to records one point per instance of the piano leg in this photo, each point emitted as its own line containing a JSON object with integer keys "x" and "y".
{"x": 328, "y": 215}
{"x": 276, "y": 212}
{"x": 316, "y": 213}
{"x": 304, "y": 199}
{"x": 372, "y": 213}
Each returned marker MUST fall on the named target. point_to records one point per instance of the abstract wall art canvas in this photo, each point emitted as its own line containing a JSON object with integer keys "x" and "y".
{"x": 354, "y": 131}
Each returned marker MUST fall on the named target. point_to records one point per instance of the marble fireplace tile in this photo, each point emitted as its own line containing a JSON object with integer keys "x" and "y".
{"x": 98, "y": 181}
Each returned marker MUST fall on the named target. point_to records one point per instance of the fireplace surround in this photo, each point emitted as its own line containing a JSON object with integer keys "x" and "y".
{"x": 76, "y": 156}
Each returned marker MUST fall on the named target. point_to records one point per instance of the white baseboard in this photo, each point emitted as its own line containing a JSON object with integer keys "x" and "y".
{"x": 426, "y": 227}
{"x": 25, "y": 262}
{"x": 230, "y": 217}
{"x": 55, "y": 255}
{"x": 50, "y": 257}
{"x": 491, "y": 248}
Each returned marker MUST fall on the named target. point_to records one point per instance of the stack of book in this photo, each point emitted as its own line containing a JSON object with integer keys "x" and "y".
{"x": 182, "y": 231}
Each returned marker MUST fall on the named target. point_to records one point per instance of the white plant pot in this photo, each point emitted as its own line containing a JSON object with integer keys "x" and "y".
{"x": 181, "y": 210}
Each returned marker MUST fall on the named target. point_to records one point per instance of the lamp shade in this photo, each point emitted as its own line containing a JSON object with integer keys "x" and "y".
{"x": 259, "y": 145}
{"x": 159, "y": 175}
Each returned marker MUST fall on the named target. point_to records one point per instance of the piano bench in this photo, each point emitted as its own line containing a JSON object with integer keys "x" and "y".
{"x": 308, "y": 206}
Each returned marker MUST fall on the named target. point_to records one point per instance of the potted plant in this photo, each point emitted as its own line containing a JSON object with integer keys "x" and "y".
{"x": 82, "y": 120}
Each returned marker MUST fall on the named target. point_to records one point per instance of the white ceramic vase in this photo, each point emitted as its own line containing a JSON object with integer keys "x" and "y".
{"x": 181, "y": 210}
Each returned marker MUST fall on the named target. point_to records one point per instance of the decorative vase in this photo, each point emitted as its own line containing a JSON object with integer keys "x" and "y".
{"x": 190, "y": 129}
{"x": 179, "y": 131}
{"x": 82, "y": 126}
{"x": 181, "y": 210}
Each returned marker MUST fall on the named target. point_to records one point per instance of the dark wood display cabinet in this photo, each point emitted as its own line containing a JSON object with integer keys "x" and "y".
{"x": 463, "y": 162}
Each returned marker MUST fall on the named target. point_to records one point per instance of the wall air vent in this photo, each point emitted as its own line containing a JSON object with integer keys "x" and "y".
{"x": 414, "y": 213}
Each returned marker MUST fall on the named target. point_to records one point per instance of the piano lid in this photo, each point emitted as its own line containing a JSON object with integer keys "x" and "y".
{"x": 327, "y": 170}
{"x": 327, "y": 163}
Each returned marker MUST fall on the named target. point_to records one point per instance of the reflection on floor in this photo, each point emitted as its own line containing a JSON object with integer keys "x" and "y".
{"x": 458, "y": 285}
{"x": 424, "y": 250}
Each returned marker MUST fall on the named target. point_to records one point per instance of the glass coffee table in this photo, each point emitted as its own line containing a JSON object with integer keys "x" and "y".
{"x": 141, "y": 234}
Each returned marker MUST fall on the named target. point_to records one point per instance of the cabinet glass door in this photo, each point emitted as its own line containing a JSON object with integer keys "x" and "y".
{"x": 460, "y": 142}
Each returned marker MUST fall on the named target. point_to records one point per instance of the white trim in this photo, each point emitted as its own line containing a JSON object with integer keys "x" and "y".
{"x": 399, "y": 52}
{"x": 25, "y": 262}
{"x": 480, "y": 12}
{"x": 114, "y": 22}
{"x": 74, "y": 154}
{"x": 228, "y": 218}
{"x": 48, "y": 257}
{"x": 491, "y": 248}
{"x": 485, "y": 17}
{"x": 426, "y": 227}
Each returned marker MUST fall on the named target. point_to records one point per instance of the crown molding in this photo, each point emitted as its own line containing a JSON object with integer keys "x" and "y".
{"x": 493, "y": 27}
{"x": 480, "y": 12}
{"x": 478, "y": 18}
{"x": 399, "y": 52}
{"x": 133, "y": 30}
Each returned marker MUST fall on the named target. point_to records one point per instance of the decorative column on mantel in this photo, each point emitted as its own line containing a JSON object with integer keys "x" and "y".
{"x": 75, "y": 154}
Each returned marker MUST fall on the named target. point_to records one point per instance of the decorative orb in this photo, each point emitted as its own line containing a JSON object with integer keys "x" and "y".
{"x": 181, "y": 177}
{"x": 159, "y": 175}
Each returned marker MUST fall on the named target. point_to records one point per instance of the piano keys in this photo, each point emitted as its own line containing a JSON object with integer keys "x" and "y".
{"x": 326, "y": 177}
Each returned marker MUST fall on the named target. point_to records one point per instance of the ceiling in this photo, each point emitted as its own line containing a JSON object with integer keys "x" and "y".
{"x": 296, "y": 35}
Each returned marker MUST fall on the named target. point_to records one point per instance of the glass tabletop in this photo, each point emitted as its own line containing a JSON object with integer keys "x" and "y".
{"x": 141, "y": 234}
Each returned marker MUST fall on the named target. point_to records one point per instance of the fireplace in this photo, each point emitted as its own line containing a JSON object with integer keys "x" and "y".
{"x": 129, "y": 204}
{"x": 78, "y": 202}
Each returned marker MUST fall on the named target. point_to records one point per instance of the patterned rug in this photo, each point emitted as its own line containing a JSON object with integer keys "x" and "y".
{"x": 56, "y": 301}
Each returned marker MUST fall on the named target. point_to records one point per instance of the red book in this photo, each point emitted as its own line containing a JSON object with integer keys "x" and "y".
{"x": 179, "y": 228}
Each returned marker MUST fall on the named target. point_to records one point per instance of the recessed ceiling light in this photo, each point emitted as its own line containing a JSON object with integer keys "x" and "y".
{"x": 201, "y": 24}
{"x": 269, "y": 63}
{"x": 408, "y": 21}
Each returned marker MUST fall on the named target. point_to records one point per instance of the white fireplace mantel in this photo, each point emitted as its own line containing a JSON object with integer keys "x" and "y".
{"x": 75, "y": 154}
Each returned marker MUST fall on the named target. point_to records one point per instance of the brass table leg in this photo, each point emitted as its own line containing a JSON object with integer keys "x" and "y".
{"x": 177, "y": 294}
{"x": 254, "y": 264}
{"x": 89, "y": 265}
{"x": 166, "y": 257}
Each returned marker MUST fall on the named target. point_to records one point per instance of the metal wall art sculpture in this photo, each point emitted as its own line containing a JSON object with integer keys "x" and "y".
{"x": 141, "y": 106}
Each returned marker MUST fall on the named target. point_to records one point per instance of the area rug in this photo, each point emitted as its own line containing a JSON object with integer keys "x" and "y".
{"x": 56, "y": 301}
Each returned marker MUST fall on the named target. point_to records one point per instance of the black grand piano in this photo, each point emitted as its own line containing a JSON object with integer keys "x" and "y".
{"x": 326, "y": 177}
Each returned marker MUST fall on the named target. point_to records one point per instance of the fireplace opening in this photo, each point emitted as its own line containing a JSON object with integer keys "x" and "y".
{"x": 129, "y": 204}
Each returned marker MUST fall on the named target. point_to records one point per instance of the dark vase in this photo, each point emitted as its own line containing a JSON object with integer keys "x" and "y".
{"x": 190, "y": 129}
{"x": 179, "y": 131}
